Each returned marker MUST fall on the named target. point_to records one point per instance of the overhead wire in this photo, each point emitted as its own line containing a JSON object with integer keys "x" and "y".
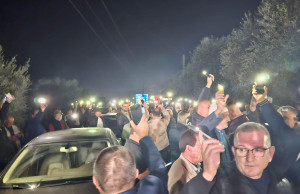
{"x": 100, "y": 22}
{"x": 97, "y": 35}
{"x": 117, "y": 28}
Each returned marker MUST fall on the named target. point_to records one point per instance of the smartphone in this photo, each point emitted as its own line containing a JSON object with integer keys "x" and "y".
{"x": 221, "y": 88}
{"x": 9, "y": 96}
{"x": 136, "y": 112}
{"x": 197, "y": 129}
{"x": 260, "y": 89}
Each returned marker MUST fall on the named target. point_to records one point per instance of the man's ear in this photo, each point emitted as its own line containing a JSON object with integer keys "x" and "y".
{"x": 96, "y": 183}
{"x": 136, "y": 174}
{"x": 296, "y": 119}
{"x": 271, "y": 152}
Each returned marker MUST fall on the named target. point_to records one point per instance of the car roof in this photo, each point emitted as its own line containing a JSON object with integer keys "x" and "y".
{"x": 75, "y": 134}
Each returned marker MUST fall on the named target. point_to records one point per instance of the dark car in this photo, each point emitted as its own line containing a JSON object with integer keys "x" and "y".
{"x": 57, "y": 162}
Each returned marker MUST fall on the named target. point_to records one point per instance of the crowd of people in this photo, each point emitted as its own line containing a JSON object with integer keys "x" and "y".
{"x": 210, "y": 148}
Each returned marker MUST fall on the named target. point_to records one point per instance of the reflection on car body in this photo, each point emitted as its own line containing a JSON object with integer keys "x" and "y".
{"x": 57, "y": 162}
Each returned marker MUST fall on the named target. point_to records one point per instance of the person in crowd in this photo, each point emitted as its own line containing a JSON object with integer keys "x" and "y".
{"x": 4, "y": 107}
{"x": 236, "y": 116}
{"x": 158, "y": 130}
{"x": 69, "y": 119}
{"x": 256, "y": 169}
{"x": 115, "y": 169}
{"x": 7, "y": 148}
{"x": 12, "y": 131}
{"x": 174, "y": 135}
{"x": 201, "y": 116}
{"x": 187, "y": 166}
{"x": 219, "y": 133}
{"x": 132, "y": 143}
{"x": 298, "y": 110}
{"x": 34, "y": 126}
{"x": 289, "y": 115}
{"x": 95, "y": 119}
{"x": 83, "y": 120}
{"x": 57, "y": 123}
{"x": 123, "y": 126}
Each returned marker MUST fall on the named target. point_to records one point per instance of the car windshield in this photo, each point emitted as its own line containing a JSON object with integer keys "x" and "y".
{"x": 55, "y": 161}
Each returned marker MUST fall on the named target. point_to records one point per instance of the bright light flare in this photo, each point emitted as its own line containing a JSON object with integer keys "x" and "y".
{"x": 239, "y": 104}
{"x": 74, "y": 116}
{"x": 42, "y": 100}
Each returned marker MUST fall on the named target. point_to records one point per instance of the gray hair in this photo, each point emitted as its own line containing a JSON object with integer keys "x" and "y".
{"x": 114, "y": 169}
{"x": 287, "y": 109}
{"x": 250, "y": 127}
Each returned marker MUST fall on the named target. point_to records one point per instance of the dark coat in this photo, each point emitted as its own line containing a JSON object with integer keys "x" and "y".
{"x": 156, "y": 181}
{"x": 174, "y": 137}
{"x": 229, "y": 180}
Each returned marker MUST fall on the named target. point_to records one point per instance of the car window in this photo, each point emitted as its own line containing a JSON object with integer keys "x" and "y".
{"x": 38, "y": 163}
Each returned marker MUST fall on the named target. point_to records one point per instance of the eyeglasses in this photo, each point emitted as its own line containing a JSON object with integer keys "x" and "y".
{"x": 257, "y": 152}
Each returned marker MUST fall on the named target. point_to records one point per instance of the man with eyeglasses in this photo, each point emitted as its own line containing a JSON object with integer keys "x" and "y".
{"x": 250, "y": 173}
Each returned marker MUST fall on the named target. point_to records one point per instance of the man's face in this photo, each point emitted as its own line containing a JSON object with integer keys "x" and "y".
{"x": 58, "y": 116}
{"x": 9, "y": 122}
{"x": 196, "y": 152}
{"x": 203, "y": 108}
{"x": 249, "y": 165}
{"x": 125, "y": 107}
{"x": 98, "y": 114}
{"x": 289, "y": 118}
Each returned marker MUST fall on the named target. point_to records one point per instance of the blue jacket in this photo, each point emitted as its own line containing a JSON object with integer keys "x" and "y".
{"x": 35, "y": 127}
{"x": 156, "y": 181}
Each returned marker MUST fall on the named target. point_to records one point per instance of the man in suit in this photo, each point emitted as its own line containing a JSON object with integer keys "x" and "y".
{"x": 115, "y": 169}
{"x": 187, "y": 166}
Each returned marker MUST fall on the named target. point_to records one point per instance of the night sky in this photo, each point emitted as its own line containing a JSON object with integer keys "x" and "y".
{"x": 144, "y": 39}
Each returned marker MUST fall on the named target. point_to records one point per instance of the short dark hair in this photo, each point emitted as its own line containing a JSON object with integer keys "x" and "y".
{"x": 188, "y": 137}
{"x": 156, "y": 112}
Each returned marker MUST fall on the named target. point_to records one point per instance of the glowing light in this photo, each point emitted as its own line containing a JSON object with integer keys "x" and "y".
{"x": 169, "y": 94}
{"x": 213, "y": 100}
{"x": 195, "y": 103}
{"x": 221, "y": 88}
{"x": 152, "y": 97}
{"x": 88, "y": 102}
{"x": 239, "y": 104}
{"x": 42, "y": 100}
{"x": 74, "y": 116}
{"x": 262, "y": 78}
{"x": 72, "y": 104}
{"x": 204, "y": 73}
{"x": 185, "y": 99}
{"x": 93, "y": 99}
{"x": 81, "y": 102}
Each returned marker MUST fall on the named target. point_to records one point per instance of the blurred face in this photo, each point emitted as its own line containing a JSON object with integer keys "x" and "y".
{"x": 58, "y": 116}
{"x": 252, "y": 166}
{"x": 9, "y": 122}
{"x": 203, "y": 108}
{"x": 195, "y": 152}
{"x": 289, "y": 118}
{"x": 97, "y": 114}
{"x": 125, "y": 107}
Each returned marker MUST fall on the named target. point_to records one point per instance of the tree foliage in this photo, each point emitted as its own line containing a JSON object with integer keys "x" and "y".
{"x": 59, "y": 92}
{"x": 15, "y": 79}
{"x": 267, "y": 40}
